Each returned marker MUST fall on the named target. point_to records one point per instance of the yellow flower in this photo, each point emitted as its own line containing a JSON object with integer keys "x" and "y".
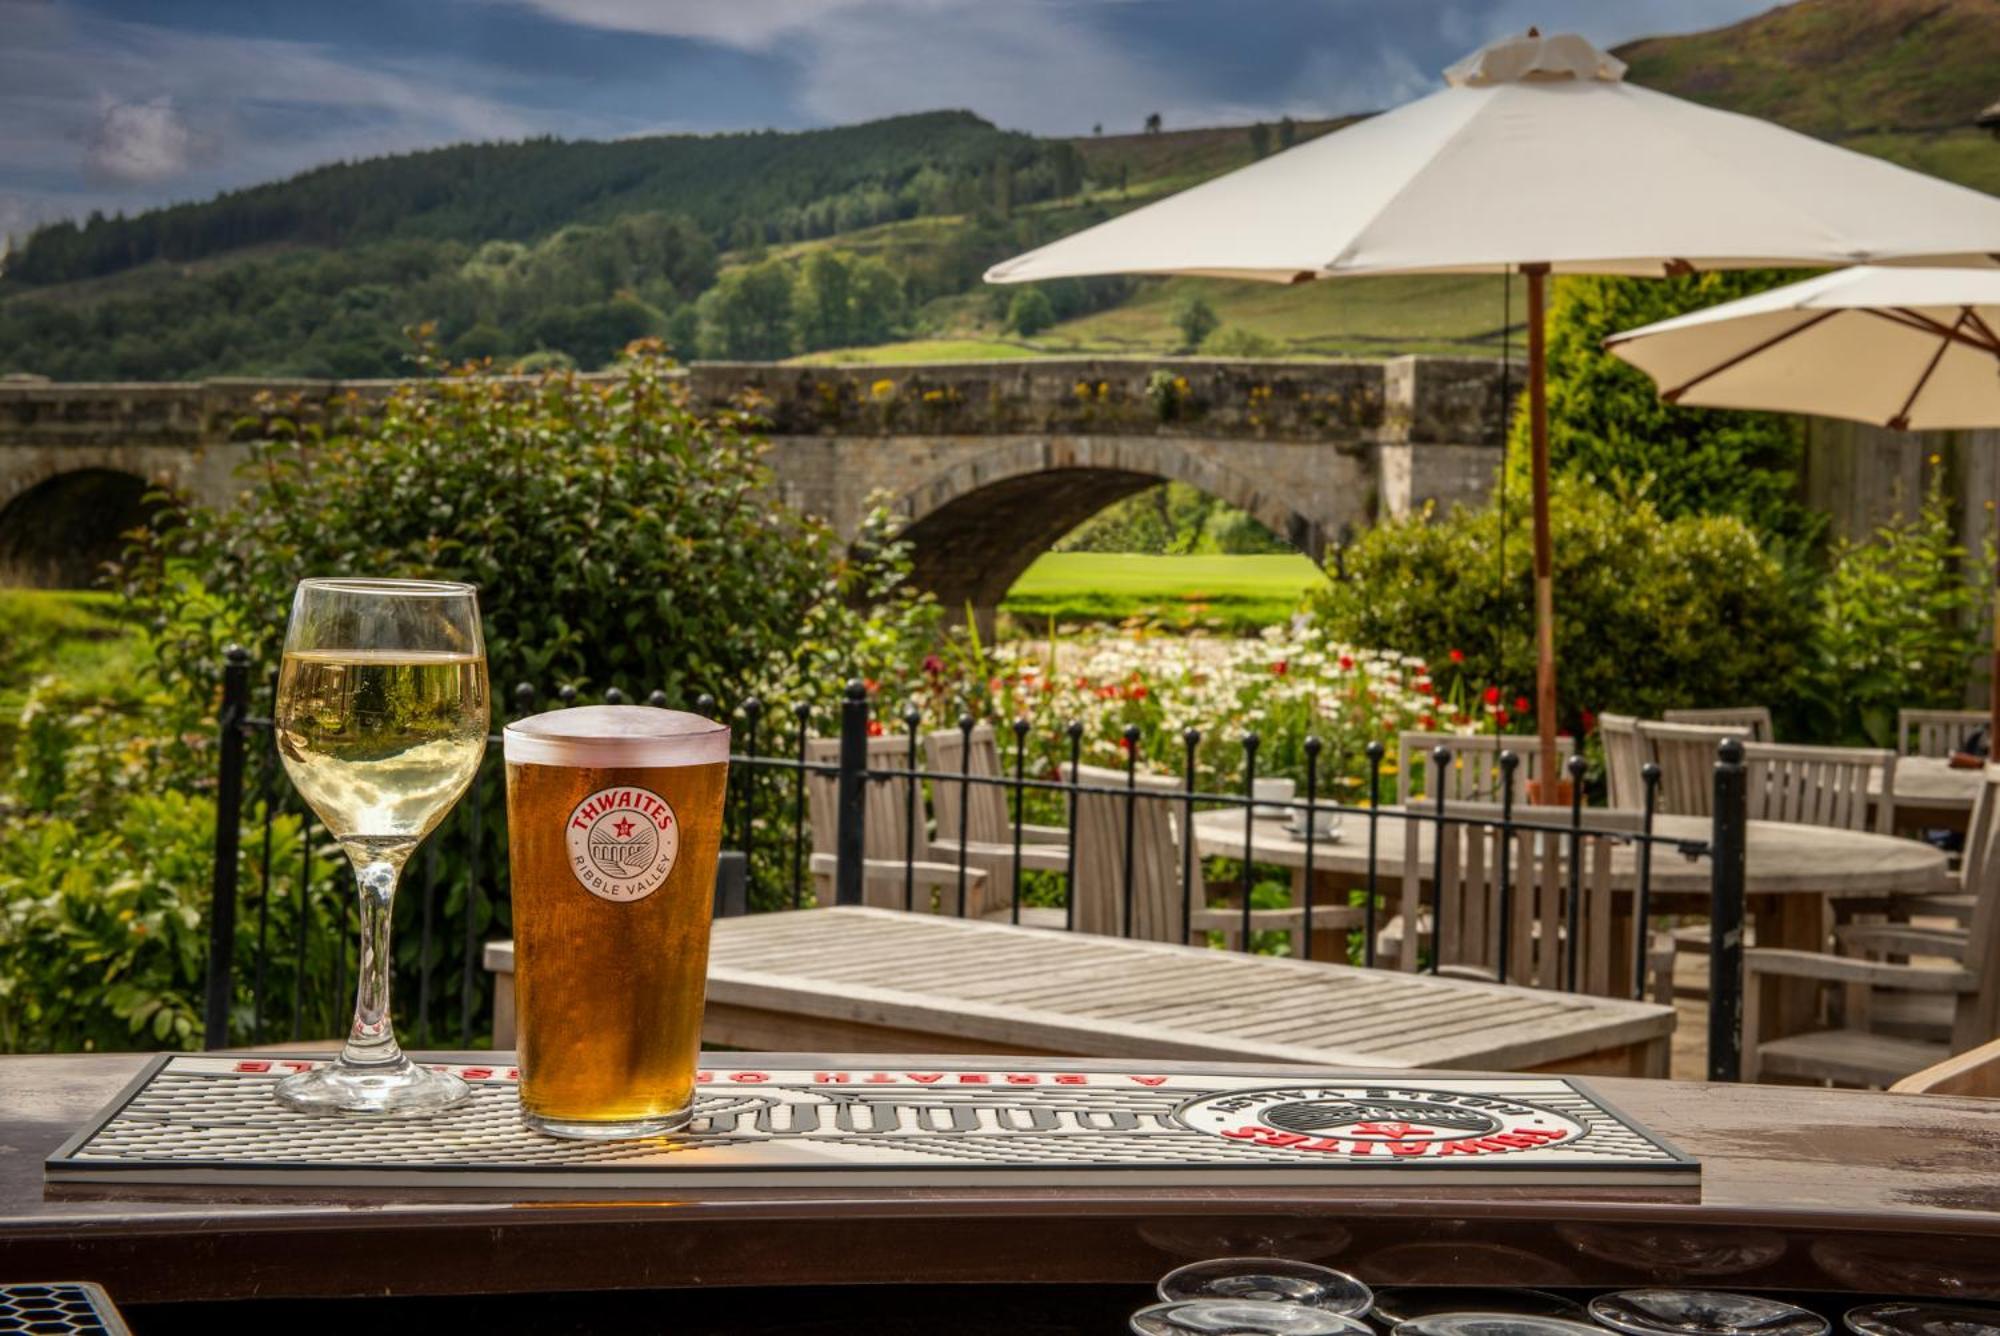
{"x": 882, "y": 389}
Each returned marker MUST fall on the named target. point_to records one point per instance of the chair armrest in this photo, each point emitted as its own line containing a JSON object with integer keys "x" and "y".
{"x": 1845, "y": 969}
{"x": 1033, "y": 834}
{"x": 1901, "y": 939}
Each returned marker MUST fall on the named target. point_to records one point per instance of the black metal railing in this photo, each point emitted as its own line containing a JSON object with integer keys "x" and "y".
{"x": 295, "y": 920}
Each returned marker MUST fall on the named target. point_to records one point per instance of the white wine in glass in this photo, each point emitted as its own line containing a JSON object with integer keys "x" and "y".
{"x": 381, "y": 722}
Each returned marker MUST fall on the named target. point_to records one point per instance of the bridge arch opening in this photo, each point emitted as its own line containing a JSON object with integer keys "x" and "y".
{"x": 59, "y": 533}
{"x": 977, "y": 529}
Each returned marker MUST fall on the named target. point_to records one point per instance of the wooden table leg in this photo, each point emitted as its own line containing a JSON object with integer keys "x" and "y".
{"x": 1794, "y": 923}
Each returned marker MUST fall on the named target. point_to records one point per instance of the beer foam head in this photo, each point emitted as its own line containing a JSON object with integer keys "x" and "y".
{"x": 613, "y": 735}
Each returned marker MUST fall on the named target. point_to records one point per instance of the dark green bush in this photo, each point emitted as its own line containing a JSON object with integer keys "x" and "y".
{"x": 1650, "y": 612}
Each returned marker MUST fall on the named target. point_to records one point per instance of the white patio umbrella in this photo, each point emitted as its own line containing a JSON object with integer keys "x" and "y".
{"x": 1908, "y": 349}
{"x": 1538, "y": 158}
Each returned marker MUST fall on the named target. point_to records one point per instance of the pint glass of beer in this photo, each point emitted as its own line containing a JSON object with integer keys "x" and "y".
{"x": 614, "y": 817}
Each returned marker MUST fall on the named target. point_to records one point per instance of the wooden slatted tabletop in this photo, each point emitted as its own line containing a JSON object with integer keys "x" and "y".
{"x": 877, "y": 980}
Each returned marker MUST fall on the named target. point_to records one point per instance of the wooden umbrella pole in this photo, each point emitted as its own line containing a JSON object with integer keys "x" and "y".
{"x": 1550, "y": 789}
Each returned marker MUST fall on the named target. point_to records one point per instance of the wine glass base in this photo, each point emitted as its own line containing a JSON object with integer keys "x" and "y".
{"x": 393, "y": 1090}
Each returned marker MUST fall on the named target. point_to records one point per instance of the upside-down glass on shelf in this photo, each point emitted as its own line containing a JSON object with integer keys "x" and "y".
{"x": 381, "y": 722}
{"x": 614, "y": 819}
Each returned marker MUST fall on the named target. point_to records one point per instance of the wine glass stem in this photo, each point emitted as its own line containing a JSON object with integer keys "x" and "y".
{"x": 372, "y": 1040}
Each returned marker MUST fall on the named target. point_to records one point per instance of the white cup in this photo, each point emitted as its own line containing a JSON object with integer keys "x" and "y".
{"x": 1276, "y": 789}
{"x": 1325, "y": 822}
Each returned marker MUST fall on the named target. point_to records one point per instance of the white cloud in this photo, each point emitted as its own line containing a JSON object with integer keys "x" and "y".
{"x": 750, "y": 25}
{"x": 139, "y": 142}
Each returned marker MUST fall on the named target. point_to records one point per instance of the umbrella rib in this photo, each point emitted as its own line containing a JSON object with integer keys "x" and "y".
{"x": 1901, "y": 422}
{"x": 1673, "y": 396}
{"x": 1923, "y": 324}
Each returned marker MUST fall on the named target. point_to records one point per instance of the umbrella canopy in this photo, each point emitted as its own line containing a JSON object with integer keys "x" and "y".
{"x": 1909, "y": 349}
{"x": 1537, "y": 150}
{"x": 1912, "y": 349}
{"x": 1538, "y": 157}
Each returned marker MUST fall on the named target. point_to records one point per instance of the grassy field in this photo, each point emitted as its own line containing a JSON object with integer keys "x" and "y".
{"x": 76, "y": 637}
{"x": 1236, "y": 593}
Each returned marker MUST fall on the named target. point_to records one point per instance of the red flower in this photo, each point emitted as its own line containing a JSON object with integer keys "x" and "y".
{"x": 933, "y": 664}
{"x": 1458, "y": 656}
{"x": 1429, "y": 722}
{"x": 1346, "y": 661}
{"x": 1493, "y": 695}
{"x": 1589, "y": 722}
{"x": 1502, "y": 718}
{"x": 870, "y": 685}
{"x": 874, "y": 728}
{"x": 1126, "y": 743}
{"x": 1281, "y": 667}
{"x": 1461, "y": 720}
{"x": 1521, "y": 705}
{"x": 1139, "y": 692}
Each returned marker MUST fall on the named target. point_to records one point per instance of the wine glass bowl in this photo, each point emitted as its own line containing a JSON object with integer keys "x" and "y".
{"x": 381, "y": 720}
{"x": 1243, "y": 1317}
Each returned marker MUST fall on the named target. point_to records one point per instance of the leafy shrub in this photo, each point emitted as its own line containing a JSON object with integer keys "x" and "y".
{"x": 1650, "y": 612}
{"x": 1607, "y": 420}
{"x": 1893, "y": 626}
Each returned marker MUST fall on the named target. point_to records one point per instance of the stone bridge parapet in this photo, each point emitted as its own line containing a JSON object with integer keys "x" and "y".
{"x": 988, "y": 462}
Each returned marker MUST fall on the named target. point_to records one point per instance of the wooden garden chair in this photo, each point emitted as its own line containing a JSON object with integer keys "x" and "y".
{"x": 1685, "y": 754}
{"x": 986, "y": 828}
{"x": 1625, "y": 757}
{"x": 1975, "y": 1072}
{"x": 1846, "y": 788}
{"x": 885, "y": 837}
{"x": 1158, "y": 906}
{"x": 1466, "y": 934}
{"x": 1752, "y": 723}
{"x": 1857, "y": 1051}
{"x": 1474, "y": 774}
{"x": 1936, "y": 732}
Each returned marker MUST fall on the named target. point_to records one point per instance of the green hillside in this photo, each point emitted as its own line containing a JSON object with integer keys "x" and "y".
{"x": 861, "y": 243}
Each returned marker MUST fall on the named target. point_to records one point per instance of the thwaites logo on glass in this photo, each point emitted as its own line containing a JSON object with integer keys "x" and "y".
{"x": 1387, "y": 1122}
{"x": 622, "y": 843}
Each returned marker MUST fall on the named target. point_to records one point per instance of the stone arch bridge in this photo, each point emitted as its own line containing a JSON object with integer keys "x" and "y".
{"x": 986, "y": 463}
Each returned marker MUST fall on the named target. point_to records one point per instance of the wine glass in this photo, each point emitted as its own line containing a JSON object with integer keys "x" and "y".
{"x": 1269, "y": 1280}
{"x": 1904, "y": 1317}
{"x": 381, "y": 723}
{"x": 1243, "y": 1317}
{"x": 1493, "y": 1324}
{"x": 1702, "y": 1313}
{"x": 1404, "y": 1303}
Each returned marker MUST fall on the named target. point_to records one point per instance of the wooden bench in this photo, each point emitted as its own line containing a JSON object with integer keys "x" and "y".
{"x": 883, "y": 981}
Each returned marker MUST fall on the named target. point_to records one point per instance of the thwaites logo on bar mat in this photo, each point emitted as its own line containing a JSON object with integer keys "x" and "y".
{"x": 622, "y": 843}
{"x": 214, "y": 1120}
{"x": 1391, "y": 1121}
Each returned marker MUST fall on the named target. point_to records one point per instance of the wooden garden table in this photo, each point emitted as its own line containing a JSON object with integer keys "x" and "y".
{"x": 1932, "y": 793}
{"x": 1794, "y": 873}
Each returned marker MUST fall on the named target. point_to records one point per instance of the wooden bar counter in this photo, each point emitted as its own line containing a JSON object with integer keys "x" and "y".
{"x": 1802, "y": 1189}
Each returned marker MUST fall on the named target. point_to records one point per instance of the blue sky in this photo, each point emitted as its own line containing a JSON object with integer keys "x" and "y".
{"x": 123, "y": 104}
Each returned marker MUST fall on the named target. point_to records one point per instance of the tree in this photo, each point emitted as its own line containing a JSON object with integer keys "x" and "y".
{"x": 1097, "y": 129}
{"x": 1608, "y": 422}
{"x": 1030, "y": 312}
{"x": 1152, "y": 122}
{"x": 822, "y": 303}
{"x": 877, "y": 302}
{"x": 1195, "y": 319}
{"x": 748, "y": 314}
{"x": 1288, "y": 132}
{"x": 1260, "y": 139}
